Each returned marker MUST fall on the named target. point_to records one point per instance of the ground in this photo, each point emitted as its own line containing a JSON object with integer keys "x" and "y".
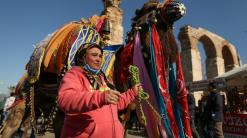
{"x": 51, "y": 135}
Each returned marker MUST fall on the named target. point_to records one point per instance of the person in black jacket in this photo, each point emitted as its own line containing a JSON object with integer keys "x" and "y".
{"x": 192, "y": 106}
{"x": 214, "y": 111}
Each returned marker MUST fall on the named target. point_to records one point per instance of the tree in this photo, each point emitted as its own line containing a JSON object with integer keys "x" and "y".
{"x": 11, "y": 89}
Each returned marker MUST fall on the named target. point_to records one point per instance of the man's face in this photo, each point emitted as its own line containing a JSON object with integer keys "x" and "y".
{"x": 93, "y": 58}
{"x": 210, "y": 88}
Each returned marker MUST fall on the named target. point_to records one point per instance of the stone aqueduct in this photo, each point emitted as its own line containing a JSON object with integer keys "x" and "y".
{"x": 221, "y": 56}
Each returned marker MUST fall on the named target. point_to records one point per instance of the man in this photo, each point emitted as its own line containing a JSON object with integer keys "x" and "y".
{"x": 8, "y": 103}
{"x": 214, "y": 110}
{"x": 192, "y": 106}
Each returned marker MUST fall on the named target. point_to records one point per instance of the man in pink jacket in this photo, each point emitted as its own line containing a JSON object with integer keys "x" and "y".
{"x": 90, "y": 106}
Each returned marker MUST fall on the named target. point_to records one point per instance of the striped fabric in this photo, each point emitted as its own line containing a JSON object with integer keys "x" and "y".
{"x": 109, "y": 58}
{"x": 87, "y": 34}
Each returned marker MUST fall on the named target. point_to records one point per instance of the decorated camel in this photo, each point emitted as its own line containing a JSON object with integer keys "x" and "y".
{"x": 52, "y": 57}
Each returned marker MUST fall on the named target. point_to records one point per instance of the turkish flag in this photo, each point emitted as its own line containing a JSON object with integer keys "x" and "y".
{"x": 161, "y": 72}
{"x": 182, "y": 98}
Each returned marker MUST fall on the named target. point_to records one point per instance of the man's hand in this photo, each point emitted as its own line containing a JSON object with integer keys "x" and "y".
{"x": 112, "y": 96}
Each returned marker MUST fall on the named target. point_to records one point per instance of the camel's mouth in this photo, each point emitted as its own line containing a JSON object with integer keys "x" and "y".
{"x": 173, "y": 10}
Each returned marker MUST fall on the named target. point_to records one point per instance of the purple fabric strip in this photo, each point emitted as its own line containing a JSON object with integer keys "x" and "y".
{"x": 153, "y": 124}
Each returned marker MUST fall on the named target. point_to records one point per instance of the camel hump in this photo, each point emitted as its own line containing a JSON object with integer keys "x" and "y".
{"x": 58, "y": 49}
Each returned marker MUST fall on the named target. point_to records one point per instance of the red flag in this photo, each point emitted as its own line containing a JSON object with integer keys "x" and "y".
{"x": 161, "y": 72}
{"x": 100, "y": 23}
{"x": 182, "y": 98}
{"x": 126, "y": 59}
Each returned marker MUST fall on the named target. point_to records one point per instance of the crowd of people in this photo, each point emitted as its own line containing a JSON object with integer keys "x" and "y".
{"x": 206, "y": 120}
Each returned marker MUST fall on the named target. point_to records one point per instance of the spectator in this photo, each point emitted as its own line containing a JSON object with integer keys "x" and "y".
{"x": 9, "y": 102}
{"x": 214, "y": 112}
{"x": 191, "y": 103}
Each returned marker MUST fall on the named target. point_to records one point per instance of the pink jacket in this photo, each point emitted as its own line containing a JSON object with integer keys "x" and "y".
{"x": 86, "y": 111}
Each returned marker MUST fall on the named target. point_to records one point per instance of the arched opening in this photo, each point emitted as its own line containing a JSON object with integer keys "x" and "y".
{"x": 208, "y": 46}
{"x": 203, "y": 59}
{"x": 228, "y": 58}
{"x": 207, "y": 52}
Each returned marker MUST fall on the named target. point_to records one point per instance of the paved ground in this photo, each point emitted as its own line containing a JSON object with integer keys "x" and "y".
{"x": 130, "y": 134}
{"x": 51, "y": 135}
{"x": 133, "y": 133}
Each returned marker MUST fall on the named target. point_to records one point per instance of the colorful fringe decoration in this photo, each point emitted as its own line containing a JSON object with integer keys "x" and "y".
{"x": 161, "y": 78}
{"x": 60, "y": 35}
{"x": 152, "y": 119}
{"x": 182, "y": 98}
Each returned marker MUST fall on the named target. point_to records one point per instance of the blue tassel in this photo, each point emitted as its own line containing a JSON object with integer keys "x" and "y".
{"x": 173, "y": 93}
{"x": 158, "y": 96}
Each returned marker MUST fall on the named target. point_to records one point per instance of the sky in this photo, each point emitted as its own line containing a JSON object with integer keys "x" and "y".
{"x": 24, "y": 23}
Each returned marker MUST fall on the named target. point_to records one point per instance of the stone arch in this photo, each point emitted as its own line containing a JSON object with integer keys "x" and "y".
{"x": 208, "y": 46}
{"x": 216, "y": 54}
{"x": 210, "y": 52}
{"x": 228, "y": 58}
